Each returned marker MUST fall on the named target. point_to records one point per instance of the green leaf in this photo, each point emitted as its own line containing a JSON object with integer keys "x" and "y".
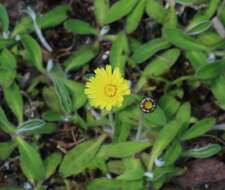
{"x": 122, "y": 131}
{"x": 170, "y": 19}
{"x": 164, "y": 138}
{"x": 30, "y": 126}
{"x": 51, "y": 163}
{"x": 7, "y": 68}
{"x": 14, "y": 99}
{"x": 133, "y": 170}
{"x": 201, "y": 21}
{"x": 53, "y": 17}
{"x": 155, "y": 119}
{"x": 48, "y": 128}
{"x": 5, "y": 43}
{"x": 155, "y": 10}
{"x": 119, "y": 52}
{"x": 172, "y": 153}
{"x": 200, "y": 27}
{"x": 199, "y": 128}
{"x": 190, "y": 2}
{"x": 10, "y": 188}
{"x": 134, "y": 18}
{"x": 51, "y": 99}
{"x": 77, "y": 93}
{"x": 158, "y": 66}
{"x": 197, "y": 58}
{"x": 114, "y": 184}
{"x": 51, "y": 116}
{"x": 211, "y": 70}
{"x": 81, "y": 57}
{"x": 149, "y": 49}
{"x": 169, "y": 104}
{"x": 63, "y": 94}
{"x": 167, "y": 171}
{"x": 50, "y": 19}
{"x": 122, "y": 149}
{"x": 5, "y": 125}
{"x": 162, "y": 63}
{"x": 203, "y": 152}
{"x": 79, "y": 27}
{"x": 101, "y": 8}
{"x": 184, "y": 115}
{"x": 30, "y": 161}
{"x": 218, "y": 90}
{"x": 78, "y": 159}
{"x": 119, "y": 9}
{"x": 8, "y": 60}
{"x": 182, "y": 40}
{"x": 4, "y": 19}
{"x": 6, "y": 149}
{"x": 34, "y": 51}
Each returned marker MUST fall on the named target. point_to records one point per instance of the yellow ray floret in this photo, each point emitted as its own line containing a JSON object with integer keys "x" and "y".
{"x": 107, "y": 88}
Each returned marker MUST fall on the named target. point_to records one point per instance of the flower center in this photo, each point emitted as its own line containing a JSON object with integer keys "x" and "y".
{"x": 148, "y": 105}
{"x": 110, "y": 90}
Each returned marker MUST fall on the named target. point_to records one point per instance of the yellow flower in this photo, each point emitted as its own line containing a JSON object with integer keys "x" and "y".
{"x": 107, "y": 88}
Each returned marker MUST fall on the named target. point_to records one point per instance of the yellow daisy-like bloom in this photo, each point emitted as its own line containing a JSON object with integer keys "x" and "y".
{"x": 107, "y": 88}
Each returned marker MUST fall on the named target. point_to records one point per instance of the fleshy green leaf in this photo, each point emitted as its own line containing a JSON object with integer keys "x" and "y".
{"x": 119, "y": 9}
{"x": 5, "y": 125}
{"x": 34, "y": 51}
{"x": 7, "y": 68}
{"x": 133, "y": 19}
{"x": 63, "y": 95}
{"x": 149, "y": 49}
{"x": 14, "y": 100}
{"x": 155, "y": 10}
{"x": 30, "y": 161}
{"x": 203, "y": 152}
{"x": 119, "y": 52}
{"x": 4, "y": 19}
{"x": 51, "y": 163}
{"x": 164, "y": 138}
{"x": 81, "y": 57}
{"x": 199, "y": 128}
{"x": 6, "y": 149}
{"x": 218, "y": 90}
{"x": 120, "y": 150}
{"x": 182, "y": 40}
{"x": 101, "y": 8}
{"x": 78, "y": 159}
{"x": 79, "y": 27}
{"x": 30, "y": 125}
{"x": 211, "y": 70}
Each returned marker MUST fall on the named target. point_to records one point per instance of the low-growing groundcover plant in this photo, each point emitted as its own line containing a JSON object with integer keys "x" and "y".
{"x": 119, "y": 108}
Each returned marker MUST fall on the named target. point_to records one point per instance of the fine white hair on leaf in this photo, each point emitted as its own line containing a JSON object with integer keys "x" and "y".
{"x": 149, "y": 175}
{"x": 50, "y": 65}
{"x": 159, "y": 162}
{"x": 211, "y": 57}
{"x": 104, "y": 30}
{"x": 5, "y": 35}
{"x": 17, "y": 37}
{"x": 40, "y": 36}
{"x": 108, "y": 175}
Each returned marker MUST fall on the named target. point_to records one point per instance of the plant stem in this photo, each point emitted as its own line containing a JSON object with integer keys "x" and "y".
{"x": 140, "y": 126}
{"x": 111, "y": 122}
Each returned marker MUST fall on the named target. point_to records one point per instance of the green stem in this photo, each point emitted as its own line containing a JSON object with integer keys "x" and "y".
{"x": 140, "y": 126}
{"x": 180, "y": 79}
{"x": 111, "y": 122}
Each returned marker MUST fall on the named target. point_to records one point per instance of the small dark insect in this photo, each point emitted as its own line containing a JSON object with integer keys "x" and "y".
{"x": 148, "y": 105}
